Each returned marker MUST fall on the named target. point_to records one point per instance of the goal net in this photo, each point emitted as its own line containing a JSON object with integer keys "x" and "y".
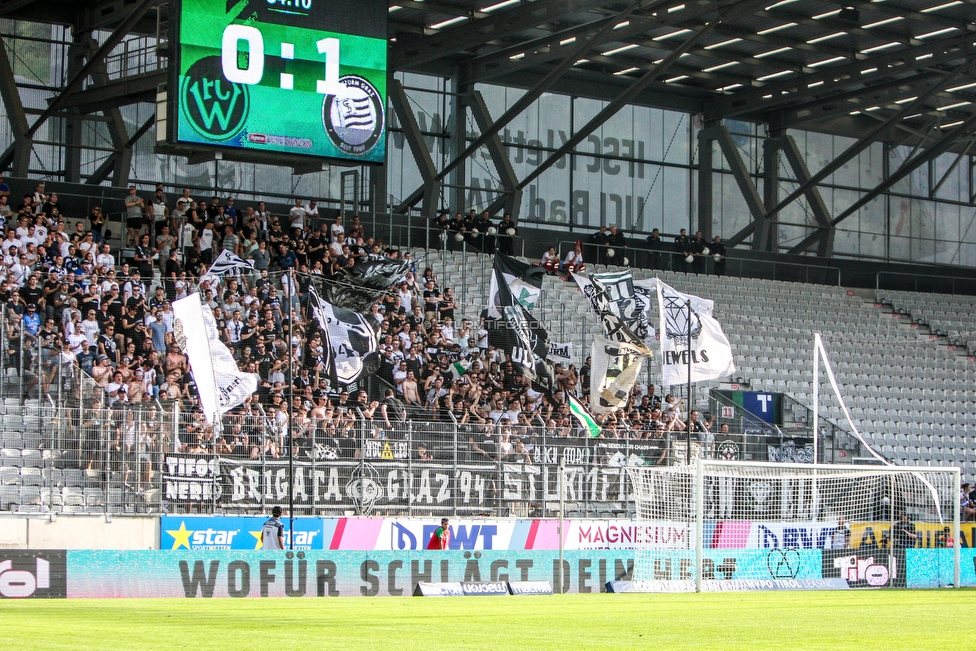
{"x": 729, "y": 525}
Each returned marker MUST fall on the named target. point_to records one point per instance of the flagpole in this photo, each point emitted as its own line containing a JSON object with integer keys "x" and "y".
{"x": 688, "y": 406}
{"x": 291, "y": 424}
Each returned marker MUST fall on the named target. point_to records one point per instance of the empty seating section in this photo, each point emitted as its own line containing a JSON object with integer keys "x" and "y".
{"x": 946, "y": 315}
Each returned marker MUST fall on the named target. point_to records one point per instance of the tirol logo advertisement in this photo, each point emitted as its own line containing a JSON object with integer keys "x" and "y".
{"x": 30, "y": 574}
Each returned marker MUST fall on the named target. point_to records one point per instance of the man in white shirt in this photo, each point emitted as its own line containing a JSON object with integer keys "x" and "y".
{"x": 105, "y": 258}
{"x": 296, "y": 215}
{"x": 336, "y": 230}
{"x": 90, "y": 328}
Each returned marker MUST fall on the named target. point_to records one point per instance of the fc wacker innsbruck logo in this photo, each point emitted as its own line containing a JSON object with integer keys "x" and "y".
{"x": 353, "y": 117}
{"x": 217, "y": 109}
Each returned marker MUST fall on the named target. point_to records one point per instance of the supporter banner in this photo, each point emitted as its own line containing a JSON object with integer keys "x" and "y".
{"x": 790, "y": 452}
{"x": 334, "y": 573}
{"x": 220, "y": 383}
{"x": 209, "y": 574}
{"x": 190, "y": 478}
{"x": 620, "y": 301}
{"x": 201, "y": 574}
{"x": 710, "y": 354}
{"x": 356, "y": 289}
{"x": 228, "y": 262}
{"x": 561, "y": 353}
{"x": 33, "y": 574}
{"x": 253, "y": 484}
{"x": 514, "y": 336}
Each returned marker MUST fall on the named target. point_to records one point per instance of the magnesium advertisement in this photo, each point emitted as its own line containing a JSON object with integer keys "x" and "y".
{"x": 290, "y": 76}
{"x": 470, "y": 534}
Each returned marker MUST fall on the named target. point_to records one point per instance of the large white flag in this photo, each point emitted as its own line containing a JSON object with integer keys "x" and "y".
{"x": 710, "y": 353}
{"x": 221, "y": 385}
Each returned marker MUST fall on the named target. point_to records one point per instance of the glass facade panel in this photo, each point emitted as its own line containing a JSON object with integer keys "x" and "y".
{"x": 636, "y": 171}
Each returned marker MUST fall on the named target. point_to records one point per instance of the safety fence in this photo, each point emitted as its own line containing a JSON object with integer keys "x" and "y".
{"x": 82, "y": 450}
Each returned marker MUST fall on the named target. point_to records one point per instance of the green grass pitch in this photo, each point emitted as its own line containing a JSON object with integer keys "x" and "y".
{"x": 871, "y": 619}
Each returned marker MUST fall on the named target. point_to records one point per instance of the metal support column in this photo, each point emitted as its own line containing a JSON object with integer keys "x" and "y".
{"x": 496, "y": 149}
{"x": 73, "y": 126}
{"x": 812, "y": 193}
{"x": 721, "y": 135}
{"x": 17, "y": 155}
{"x": 705, "y": 185}
{"x": 415, "y": 140}
{"x": 771, "y": 149}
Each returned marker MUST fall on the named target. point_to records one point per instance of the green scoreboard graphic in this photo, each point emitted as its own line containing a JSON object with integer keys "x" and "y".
{"x": 298, "y": 77}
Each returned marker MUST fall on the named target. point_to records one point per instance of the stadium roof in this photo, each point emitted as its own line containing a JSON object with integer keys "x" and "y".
{"x": 900, "y": 70}
{"x": 841, "y": 68}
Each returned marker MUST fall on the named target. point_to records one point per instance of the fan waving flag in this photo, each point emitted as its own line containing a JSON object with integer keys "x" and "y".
{"x": 220, "y": 383}
{"x": 710, "y": 354}
{"x": 357, "y": 288}
{"x": 513, "y": 283}
{"x": 614, "y": 371}
{"x": 513, "y": 334}
{"x": 351, "y": 343}
{"x": 586, "y": 421}
{"x": 227, "y": 261}
{"x": 621, "y": 303}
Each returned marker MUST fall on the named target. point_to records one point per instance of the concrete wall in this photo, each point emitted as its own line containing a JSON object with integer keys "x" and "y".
{"x": 78, "y": 532}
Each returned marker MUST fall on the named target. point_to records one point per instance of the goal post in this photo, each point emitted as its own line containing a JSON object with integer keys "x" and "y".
{"x": 738, "y": 525}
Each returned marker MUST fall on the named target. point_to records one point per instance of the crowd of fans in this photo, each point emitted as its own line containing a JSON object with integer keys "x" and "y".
{"x": 68, "y": 295}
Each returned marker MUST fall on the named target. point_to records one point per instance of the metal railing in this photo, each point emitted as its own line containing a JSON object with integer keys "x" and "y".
{"x": 913, "y": 282}
{"x": 638, "y": 257}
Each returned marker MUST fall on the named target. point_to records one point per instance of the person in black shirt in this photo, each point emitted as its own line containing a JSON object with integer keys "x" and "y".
{"x": 682, "y": 246}
{"x": 144, "y": 258}
{"x": 718, "y": 255}
{"x": 600, "y": 238}
{"x": 31, "y": 293}
{"x": 507, "y": 231}
{"x": 698, "y": 248}
{"x": 654, "y": 244}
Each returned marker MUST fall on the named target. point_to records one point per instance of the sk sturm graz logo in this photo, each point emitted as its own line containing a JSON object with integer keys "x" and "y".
{"x": 216, "y": 108}
{"x": 353, "y": 118}
{"x": 676, "y": 320}
{"x": 727, "y": 451}
{"x": 783, "y": 563}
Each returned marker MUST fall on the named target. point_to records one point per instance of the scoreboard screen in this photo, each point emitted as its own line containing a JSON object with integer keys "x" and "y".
{"x": 298, "y": 77}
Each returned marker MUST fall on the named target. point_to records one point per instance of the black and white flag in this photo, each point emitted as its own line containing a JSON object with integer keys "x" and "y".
{"x": 513, "y": 283}
{"x": 351, "y": 343}
{"x": 615, "y": 368}
{"x": 357, "y": 288}
{"x": 620, "y": 301}
{"x": 561, "y": 352}
{"x": 513, "y": 334}
{"x": 226, "y": 262}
